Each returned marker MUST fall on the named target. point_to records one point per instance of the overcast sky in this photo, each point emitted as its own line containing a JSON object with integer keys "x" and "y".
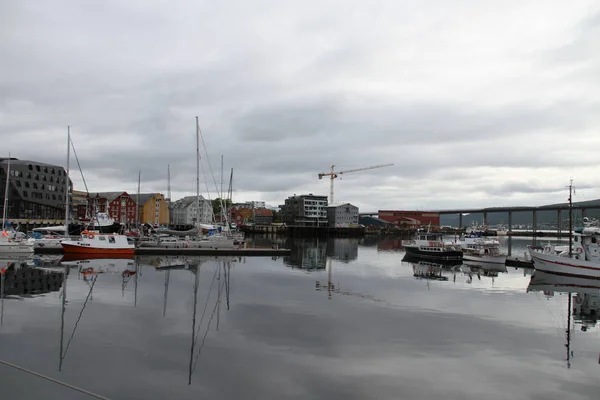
{"x": 477, "y": 103}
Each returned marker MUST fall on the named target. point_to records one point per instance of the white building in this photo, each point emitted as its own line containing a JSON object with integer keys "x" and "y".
{"x": 342, "y": 215}
{"x": 184, "y": 211}
{"x": 250, "y": 205}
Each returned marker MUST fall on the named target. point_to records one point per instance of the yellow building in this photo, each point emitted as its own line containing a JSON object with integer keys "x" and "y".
{"x": 153, "y": 208}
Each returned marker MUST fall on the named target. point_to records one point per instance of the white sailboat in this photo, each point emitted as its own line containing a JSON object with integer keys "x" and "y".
{"x": 215, "y": 241}
{"x": 9, "y": 243}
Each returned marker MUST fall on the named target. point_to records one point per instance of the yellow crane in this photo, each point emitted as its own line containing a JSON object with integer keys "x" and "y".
{"x": 334, "y": 174}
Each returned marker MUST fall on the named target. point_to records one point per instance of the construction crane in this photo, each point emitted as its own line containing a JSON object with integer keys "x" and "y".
{"x": 334, "y": 174}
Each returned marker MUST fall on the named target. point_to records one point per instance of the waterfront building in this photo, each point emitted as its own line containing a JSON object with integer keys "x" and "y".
{"x": 36, "y": 191}
{"x": 342, "y": 215}
{"x": 374, "y": 222}
{"x": 185, "y": 212}
{"x": 153, "y": 208}
{"x": 305, "y": 210}
{"x": 410, "y": 218}
{"x": 263, "y": 216}
{"x": 79, "y": 204}
{"x": 119, "y": 206}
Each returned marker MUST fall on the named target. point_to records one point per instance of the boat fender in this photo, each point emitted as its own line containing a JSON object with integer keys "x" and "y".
{"x": 579, "y": 250}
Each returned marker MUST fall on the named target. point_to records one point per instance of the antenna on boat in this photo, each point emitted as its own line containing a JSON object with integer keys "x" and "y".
{"x": 570, "y": 219}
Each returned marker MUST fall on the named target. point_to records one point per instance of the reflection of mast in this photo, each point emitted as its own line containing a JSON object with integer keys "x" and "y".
{"x": 167, "y": 278}
{"x": 2, "y": 272}
{"x": 196, "y": 280}
{"x": 62, "y": 317}
{"x": 568, "y": 345}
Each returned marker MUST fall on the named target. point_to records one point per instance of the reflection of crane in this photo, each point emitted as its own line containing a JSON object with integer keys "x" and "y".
{"x": 334, "y": 174}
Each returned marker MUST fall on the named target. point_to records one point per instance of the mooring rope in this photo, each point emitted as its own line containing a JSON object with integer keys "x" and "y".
{"x": 54, "y": 380}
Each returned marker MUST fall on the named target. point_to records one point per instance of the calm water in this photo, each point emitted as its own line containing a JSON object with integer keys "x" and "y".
{"x": 380, "y": 333}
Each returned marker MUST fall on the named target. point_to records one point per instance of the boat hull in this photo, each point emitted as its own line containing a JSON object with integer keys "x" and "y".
{"x": 12, "y": 247}
{"x": 423, "y": 253}
{"x": 501, "y": 260}
{"x": 564, "y": 266}
{"x": 78, "y": 249}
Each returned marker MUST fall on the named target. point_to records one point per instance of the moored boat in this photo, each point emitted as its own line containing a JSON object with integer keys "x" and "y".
{"x": 92, "y": 242}
{"x": 429, "y": 245}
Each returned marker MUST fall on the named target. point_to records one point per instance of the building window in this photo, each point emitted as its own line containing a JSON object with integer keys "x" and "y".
{"x": 30, "y": 167}
{"x": 18, "y": 183}
{"x": 37, "y": 177}
{"x": 46, "y": 169}
{"x": 53, "y": 197}
{"x": 44, "y": 178}
{"x": 35, "y": 185}
{"x": 26, "y": 184}
{"x": 43, "y": 187}
{"x": 52, "y": 171}
{"x": 24, "y": 193}
{"x": 37, "y": 168}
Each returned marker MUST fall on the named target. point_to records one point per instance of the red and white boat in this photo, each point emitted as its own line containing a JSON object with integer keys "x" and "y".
{"x": 92, "y": 242}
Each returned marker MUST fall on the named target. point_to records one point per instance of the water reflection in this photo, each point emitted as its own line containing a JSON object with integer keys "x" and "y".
{"x": 583, "y": 301}
{"x": 312, "y": 253}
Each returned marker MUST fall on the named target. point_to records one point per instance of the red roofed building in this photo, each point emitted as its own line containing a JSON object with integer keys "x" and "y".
{"x": 410, "y": 218}
{"x": 263, "y": 216}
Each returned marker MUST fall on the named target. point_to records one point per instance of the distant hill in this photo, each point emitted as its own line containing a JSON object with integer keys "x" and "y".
{"x": 544, "y": 218}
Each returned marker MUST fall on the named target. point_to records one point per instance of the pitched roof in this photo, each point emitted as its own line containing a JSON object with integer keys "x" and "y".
{"x": 109, "y": 196}
{"x": 263, "y": 212}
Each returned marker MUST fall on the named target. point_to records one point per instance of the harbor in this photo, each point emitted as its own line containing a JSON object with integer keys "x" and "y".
{"x": 337, "y": 285}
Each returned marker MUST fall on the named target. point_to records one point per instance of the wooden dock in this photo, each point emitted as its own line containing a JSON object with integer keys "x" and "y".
{"x": 242, "y": 252}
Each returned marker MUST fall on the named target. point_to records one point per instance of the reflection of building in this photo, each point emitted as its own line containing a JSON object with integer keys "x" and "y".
{"x": 343, "y": 215}
{"x": 19, "y": 279}
{"x": 306, "y": 253}
{"x": 36, "y": 190}
{"x": 390, "y": 245}
{"x": 305, "y": 210}
{"x": 410, "y": 218}
{"x": 185, "y": 211}
{"x": 344, "y": 250}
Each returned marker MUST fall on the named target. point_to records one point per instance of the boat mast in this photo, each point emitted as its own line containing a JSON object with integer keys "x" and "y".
{"x": 197, "y": 174}
{"x": 137, "y": 202}
{"x": 169, "y": 192}
{"x": 6, "y": 194}
{"x": 67, "y": 182}
{"x": 221, "y": 194}
{"x": 571, "y": 219}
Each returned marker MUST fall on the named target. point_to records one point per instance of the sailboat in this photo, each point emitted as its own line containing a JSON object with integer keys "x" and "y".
{"x": 216, "y": 241}
{"x": 92, "y": 241}
{"x": 8, "y": 240}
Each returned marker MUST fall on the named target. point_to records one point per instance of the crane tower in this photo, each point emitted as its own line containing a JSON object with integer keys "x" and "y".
{"x": 334, "y": 174}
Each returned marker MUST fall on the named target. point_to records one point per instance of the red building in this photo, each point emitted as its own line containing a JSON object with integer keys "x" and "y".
{"x": 410, "y": 218}
{"x": 119, "y": 205}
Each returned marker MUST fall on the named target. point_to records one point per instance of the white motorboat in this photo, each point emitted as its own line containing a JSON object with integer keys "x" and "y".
{"x": 482, "y": 249}
{"x": 585, "y": 255}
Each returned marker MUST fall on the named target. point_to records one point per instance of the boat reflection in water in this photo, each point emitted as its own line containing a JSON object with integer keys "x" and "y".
{"x": 583, "y": 296}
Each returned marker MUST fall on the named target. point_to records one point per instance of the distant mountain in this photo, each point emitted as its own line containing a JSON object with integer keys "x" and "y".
{"x": 546, "y": 219}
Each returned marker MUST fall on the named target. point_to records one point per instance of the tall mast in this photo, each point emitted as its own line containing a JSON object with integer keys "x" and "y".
{"x": 6, "y": 194}
{"x": 571, "y": 218}
{"x": 197, "y": 173}
{"x": 169, "y": 191}
{"x": 67, "y": 182}
{"x": 137, "y": 202}
{"x": 221, "y": 193}
{"x": 568, "y": 332}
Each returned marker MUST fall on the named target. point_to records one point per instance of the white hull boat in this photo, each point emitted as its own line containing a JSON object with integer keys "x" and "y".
{"x": 561, "y": 265}
{"x": 15, "y": 247}
{"x": 484, "y": 258}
